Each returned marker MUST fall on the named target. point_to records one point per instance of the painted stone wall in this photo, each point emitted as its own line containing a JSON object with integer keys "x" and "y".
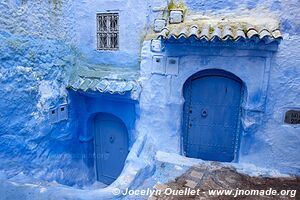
{"x": 41, "y": 42}
{"x": 36, "y": 59}
{"x": 273, "y": 144}
{"x": 266, "y": 141}
{"x": 133, "y": 22}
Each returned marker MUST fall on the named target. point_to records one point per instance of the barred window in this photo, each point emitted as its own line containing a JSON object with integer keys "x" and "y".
{"x": 107, "y": 31}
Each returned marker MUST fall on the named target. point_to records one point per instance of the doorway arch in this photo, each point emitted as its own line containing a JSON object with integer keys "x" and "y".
{"x": 211, "y": 116}
{"x": 111, "y": 146}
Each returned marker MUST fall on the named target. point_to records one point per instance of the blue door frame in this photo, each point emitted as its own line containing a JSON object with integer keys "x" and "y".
{"x": 211, "y": 117}
{"x": 111, "y": 146}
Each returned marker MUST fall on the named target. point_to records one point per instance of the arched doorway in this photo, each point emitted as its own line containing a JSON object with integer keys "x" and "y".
{"x": 212, "y": 115}
{"x": 111, "y": 146}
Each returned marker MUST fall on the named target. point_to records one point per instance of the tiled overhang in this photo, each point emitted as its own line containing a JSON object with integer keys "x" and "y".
{"x": 111, "y": 83}
{"x": 235, "y": 29}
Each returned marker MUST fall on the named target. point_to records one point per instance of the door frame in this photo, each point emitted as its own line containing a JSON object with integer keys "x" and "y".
{"x": 186, "y": 90}
{"x": 108, "y": 116}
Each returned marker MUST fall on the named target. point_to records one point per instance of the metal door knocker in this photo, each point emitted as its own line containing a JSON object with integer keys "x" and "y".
{"x": 204, "y": 113}
{"x": 111, "y": 139}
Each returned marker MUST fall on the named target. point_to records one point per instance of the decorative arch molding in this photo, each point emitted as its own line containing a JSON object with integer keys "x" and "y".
{"x": 254, "y": 75}
{"x": 252, "y": 66}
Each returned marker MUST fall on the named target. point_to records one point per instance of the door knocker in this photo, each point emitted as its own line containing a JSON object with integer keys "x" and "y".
{"x": 204, "y": 113}
{"x": 111, "y": 139}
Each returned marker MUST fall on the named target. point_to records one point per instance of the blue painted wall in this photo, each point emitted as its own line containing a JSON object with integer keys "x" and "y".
{"x": 132, "y": 30}
{"x": 266, "y": 141}
{"x": 41, "y": 42}
{"x": 36, "y": 59}
{"x": 273, "y": 144}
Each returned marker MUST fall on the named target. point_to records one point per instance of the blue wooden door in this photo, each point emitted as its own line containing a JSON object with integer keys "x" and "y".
{"x": 111, "y": 147}
{"x": 212, "y": 121}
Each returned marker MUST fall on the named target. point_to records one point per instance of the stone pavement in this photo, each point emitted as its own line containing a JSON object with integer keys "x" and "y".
{"x": 203, "y": 178}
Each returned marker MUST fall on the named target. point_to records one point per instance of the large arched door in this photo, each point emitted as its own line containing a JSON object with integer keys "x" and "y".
{"x": 111, "y": 147}
{"x": 211, "y": 115}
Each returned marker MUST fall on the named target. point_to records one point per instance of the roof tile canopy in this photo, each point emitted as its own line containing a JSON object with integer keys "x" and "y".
{"x": 223, "y": 29}
{"x": 111, "y": 80}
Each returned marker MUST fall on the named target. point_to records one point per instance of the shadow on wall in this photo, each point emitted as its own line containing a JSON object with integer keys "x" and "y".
{"x": 105, "y": 129}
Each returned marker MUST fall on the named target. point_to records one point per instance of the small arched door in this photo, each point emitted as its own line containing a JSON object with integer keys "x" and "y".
{"x": 111, "y": 147}
{"x": 211, "y": 115}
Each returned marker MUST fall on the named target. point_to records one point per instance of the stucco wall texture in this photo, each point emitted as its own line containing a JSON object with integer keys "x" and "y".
{"x": 41, "y": 43}
{"x": 275, "y": 143}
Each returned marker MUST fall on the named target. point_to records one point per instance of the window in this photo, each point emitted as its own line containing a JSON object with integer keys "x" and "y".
{"x": 107, "y": 31}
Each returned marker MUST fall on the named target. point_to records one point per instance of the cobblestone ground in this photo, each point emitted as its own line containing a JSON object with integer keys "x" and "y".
{"x": 203, "y": 178}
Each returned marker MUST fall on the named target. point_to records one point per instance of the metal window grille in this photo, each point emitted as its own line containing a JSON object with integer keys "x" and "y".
{"x": 107, "y": 31}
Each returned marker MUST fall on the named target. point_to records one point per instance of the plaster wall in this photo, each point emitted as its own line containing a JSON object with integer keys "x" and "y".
{"x": 168, "y": 94}
{"x": 272, "y": 144}
{"x": 36, "y": 59}
{"x": 88, "y": 105}
{"x": 133, "y": 23}
{"x": 162, "y": 102}
{"x": 271, "y": 80}
{"x": 43, "y": 41}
